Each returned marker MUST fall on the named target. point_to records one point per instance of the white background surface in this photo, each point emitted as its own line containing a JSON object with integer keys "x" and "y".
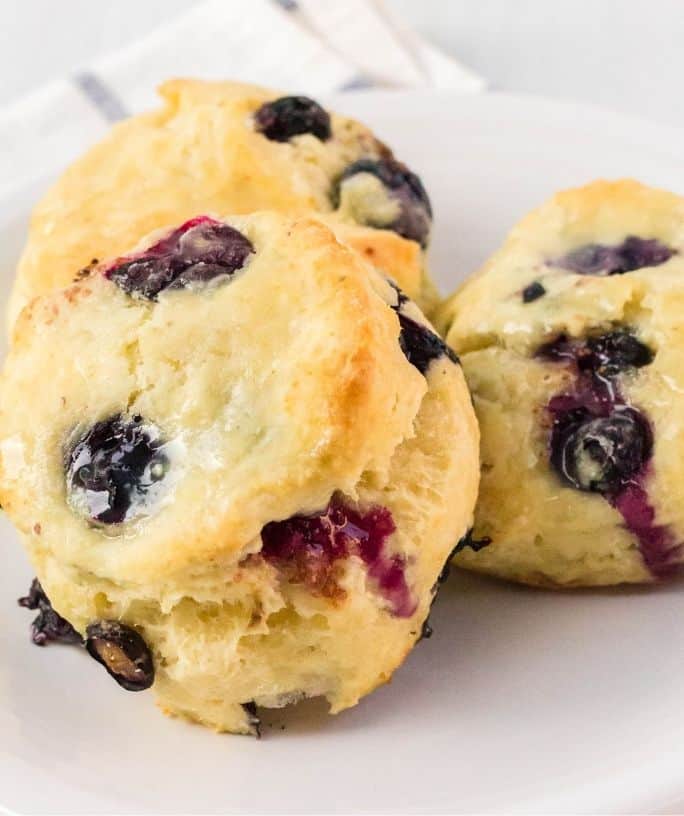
{"x": 623, "y": 54}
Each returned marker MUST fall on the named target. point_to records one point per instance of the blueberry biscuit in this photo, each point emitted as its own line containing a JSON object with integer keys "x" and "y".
{"x": 221, "y": 147}
{"x": 238, "y": 459}
{"x": 571, "y": 339}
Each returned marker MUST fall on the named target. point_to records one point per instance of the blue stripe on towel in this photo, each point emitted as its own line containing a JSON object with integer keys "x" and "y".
{"x": 358, "y": 83}
{"x": 102, "y": 97}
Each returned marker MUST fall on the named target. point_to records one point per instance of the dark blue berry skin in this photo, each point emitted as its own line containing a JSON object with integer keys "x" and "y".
{"x": 605, "y": 355}
{"x": 199, "y": 251}
{"x": 533, "y": 292}
{"x": 123, "y": 652}
{"x": 48, "y": 626}
{"x": 610, "y": 354}
{"x": 253, "y": 716}
{"x": 598, "y": 443}
{"x": 290, "y": 116}
{"x": 421, "y": 345}
{"x": 600, "y": 454}
{"x": 475, "y": 544}
{"x": 632, "y": 254}
{"x": 111, "y": 468}
{"x": 415, "y": 211}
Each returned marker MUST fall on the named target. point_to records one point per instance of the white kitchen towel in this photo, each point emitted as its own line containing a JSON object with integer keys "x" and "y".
{"x": 310, "y": 46}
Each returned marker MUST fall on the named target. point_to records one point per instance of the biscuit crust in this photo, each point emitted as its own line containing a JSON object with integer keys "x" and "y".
{"x": 200, "y": 152}
{"x": 277, "y": 390}
{"x": 543, "y": 531}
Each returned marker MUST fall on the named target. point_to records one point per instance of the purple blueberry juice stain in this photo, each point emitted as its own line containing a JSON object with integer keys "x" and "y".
{"x": 603, "y": 260}
{"x": 48, "y": 626}
{"x": 198, "y": 252}
{"x": 307, "y": 550}
{"x": 601, "y": 444}
{"x": 659, "y": 549}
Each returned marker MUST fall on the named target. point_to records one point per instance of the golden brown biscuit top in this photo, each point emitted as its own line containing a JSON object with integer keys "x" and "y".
{"x": 588, "y": 257}
{"x": 261, "y": 393}
{"x": 201, "y": 152}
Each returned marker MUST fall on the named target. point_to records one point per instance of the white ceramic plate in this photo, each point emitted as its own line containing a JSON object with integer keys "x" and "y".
{"x": 523, "y": 701}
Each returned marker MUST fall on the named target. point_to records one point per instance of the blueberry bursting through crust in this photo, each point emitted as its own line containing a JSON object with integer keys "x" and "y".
{"x": 418, "y": 342}
{"x": 195, "y": 254}
{"x": 532, "y": 292}
{"x": 599, "y": 454}
{"x": 119, "y": 648}
{"x": 290, "y": 116}
{"x": 123, "y": 652}
{"x": 420, "y": 345}
{"x": 48, "y": 626}
{"x": 254, "y": 721}
{"x": 600, "y": 444}
{"x": 115, "y": 469}
{"x": 404, "y": 188}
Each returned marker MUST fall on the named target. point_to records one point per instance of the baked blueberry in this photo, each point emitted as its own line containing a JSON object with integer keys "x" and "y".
{"x": 426, "y": 630}
{"x": 421, "y": 345}
{"x": 600, "y": 444}
{"x": 468, "y": 540}
{"x": 632, "y": 254}
{"x": 199, "y": 251}
{"x": 123, "y": 652}
{"x": 254, "y": 720}
{"x": 600, "y": 454}
{"x": 418, "y": 342}
{"x": 47, "y": 626}
{"x": 307, "y": 550}
{"x": 533, "y": 292}
{"x": 610, "y": 354}
{"x": 606, "y": 355}
{"x": 403, "y": 206}
{"x": 290, "y": 116}
{"x": 114, "y": 471}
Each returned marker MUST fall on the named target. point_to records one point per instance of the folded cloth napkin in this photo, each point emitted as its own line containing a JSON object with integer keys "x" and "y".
{"x": 309, "y": 46}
